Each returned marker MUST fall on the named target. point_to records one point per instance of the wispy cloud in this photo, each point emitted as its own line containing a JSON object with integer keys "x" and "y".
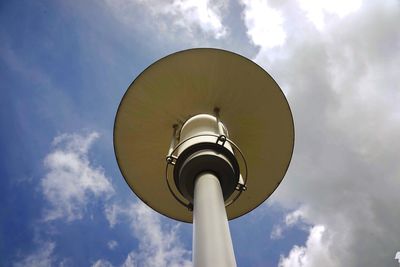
{"x": 71, "y": 180}
{"x": 112, "y": 244}
{"x": 292, "y": 219}
{"x": 159, "y": 245}
{"x": 42, "y": 257}
{"x": 187, "y": 16}
{"x": 102, "y": 263}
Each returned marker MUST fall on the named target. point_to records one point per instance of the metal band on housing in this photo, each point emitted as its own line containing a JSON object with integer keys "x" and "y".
{"x": 218, "y": 147}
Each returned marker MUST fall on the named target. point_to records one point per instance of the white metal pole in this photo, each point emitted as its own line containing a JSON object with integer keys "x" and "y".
{"x": 212, "y": 243}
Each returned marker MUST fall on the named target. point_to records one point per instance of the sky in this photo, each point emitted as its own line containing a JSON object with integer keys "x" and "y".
{"x": 65, "y": 65}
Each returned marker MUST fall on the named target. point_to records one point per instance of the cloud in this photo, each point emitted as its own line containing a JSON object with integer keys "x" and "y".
{"x": 71, "y": 180}
{"x": 42, "y": 257}
{"x": 112, "y": 244}
{"x": 264, "y": 24}
{"x": 342, "y": 85}
{"x": 314, "y": 253}
{"x": 293, "y": 219}
{"x": 318, "y": 11}
{"x": 189, "y": 17}
{"x": 102, "y": 263}
{"x": 277, "y": 232}
{"x": 158, "y": 244}
{"x": 113, "y": 212}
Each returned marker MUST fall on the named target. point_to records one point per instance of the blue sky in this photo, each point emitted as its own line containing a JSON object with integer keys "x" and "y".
{"x": 64, "y": 67}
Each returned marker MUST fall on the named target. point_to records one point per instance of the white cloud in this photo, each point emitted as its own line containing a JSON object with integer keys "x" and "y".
{"x": 397, "y": 256}
{"x": 318, "y": 10}
{"x": 112, "y": 244}
{"x": 41, "y": 258}
{"x": 277, "y": 232}
{"x": 342, "y": 84}
{"x": 264, "y": 23}
{"x": 187, "y": 16}
{"x": 295, "y": 218}
{"x": 314, "y": 254}
{"x": 69, "y": 184}
{"x": 112, "y": 212}
{"x": 71, "y": 179}
{"x": 158, "y": 244}
{"x": 102, "y": 263}
{"x": 198, "y": 13}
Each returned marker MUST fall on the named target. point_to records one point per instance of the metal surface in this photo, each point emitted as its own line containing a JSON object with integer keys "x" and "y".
{"x": 220, "y": 140}
{"x": 251, "y": 105}
{"x": 212, "y": 243}
{"x": 200, "y": 152}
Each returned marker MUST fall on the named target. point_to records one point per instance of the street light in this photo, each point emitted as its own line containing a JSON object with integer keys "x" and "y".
{"x": 204, "y": 135}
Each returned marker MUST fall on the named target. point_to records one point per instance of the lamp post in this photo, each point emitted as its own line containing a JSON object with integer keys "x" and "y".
{"x": 228, "y": 117}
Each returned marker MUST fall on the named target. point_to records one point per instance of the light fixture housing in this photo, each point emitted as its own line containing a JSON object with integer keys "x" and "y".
{"x": 196, "y": 81}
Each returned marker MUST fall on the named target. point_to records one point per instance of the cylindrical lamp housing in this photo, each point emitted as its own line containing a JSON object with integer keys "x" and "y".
{"x": 204, "y": 152}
